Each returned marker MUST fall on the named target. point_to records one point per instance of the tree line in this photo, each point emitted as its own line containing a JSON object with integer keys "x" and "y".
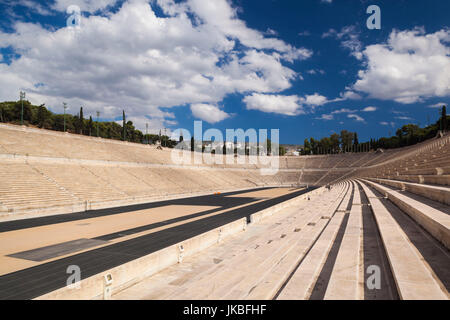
{"x": 41, "y": 117}
{"x": 346, "y": 141}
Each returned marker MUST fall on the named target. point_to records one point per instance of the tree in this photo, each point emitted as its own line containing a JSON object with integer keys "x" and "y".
{"x": 314, "y": 145}
{"x": 355, "y": 141}
{"x": 27, "y": 114}
{"x": 444, "y": 118}
{"x": 346, "y": 140}
{"x": 334, "y": 140}
{"x": 42, "y": 115}
{"x": 306, "y": 147}
{"x": 81, "y": 121}
{"x": 192, "y": 144}
{"x": 325, "y": 145}
{"x": 269, "y": 146}
{"x": 90, "y": 125}
{"x": 124, "y": 126}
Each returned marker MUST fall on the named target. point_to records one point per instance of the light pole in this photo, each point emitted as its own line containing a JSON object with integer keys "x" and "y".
{"x": 22, "y": 97}
{"x": 146, "y": 132}
{"x": 65, "y": 107}
{"x": 165, "y": 141}
{"x": 98, "y": 115}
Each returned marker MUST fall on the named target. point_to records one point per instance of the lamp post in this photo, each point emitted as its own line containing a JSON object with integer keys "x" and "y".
{"x": 98, "y": 115}
{"x": 65, "y": 107}
{"x": 22, "y": 97}
{"x": 165, "y": 141}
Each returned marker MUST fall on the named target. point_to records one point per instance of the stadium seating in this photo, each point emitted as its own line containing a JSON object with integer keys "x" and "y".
{"x": 390, "y": 211}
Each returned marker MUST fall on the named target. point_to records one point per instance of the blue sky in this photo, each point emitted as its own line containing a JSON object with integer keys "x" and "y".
{"x": 308, "y": 68}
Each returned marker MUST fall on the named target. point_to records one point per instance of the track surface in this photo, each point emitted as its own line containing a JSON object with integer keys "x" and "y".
{"x": 35, "y": 281}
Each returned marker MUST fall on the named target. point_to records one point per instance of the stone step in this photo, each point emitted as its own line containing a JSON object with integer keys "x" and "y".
{"x": 432, "y": 216}
{"x": 413, "y": 278}
{"x": 347, "y": 277}
{"x": 436, "y": 193}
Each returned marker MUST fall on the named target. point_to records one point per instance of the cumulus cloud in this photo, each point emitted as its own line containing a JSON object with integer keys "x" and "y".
{"x": 410, "y": 67}
{"x": 369, "y": 109}
{"x": 349, "y": 95}
{"x": 287, "y": 105}
{"x": 135, "y": 60}
{"x": 315, "y": 100}
{"x": 32, "y": 5}
{"x": 84, "y": 5}
{"x": 208, "y": 113}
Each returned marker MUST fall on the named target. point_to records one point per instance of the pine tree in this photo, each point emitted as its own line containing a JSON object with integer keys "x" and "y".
{"x": 81, "y": 125}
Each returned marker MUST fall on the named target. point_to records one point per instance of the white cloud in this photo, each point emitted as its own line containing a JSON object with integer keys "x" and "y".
{"x": 135, "y": 60}
{"x": 313, "y": 71}
{"x": 349, "y": 95}
{"x": 287, "y": 105}
{"x": 32, "y": 5}
{"x": 385, "y": 123}
{"x": 404, "y": 118}
{"x": 349, "y": 38}
{"x": 270, "y": 32}
{"x": 154, "y": 124}
{"x": 343, "y": 110}
{"x": 330, "y": 116}
{"x": 369, "y": 109}
{"x": 85, "y": 5}
{"x": 438, "y": 105}
{"x": 411, "y": 67}
{"x": 326, "y": 117}
{"x": 315, "y": 100}
{"x": 208, "y": 113}
{"x": 356, "y": 117}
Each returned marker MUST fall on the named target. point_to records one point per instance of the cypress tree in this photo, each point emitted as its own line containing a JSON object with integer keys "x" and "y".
{"x": 124, "y": 125}
{"x": 81, "y": 120}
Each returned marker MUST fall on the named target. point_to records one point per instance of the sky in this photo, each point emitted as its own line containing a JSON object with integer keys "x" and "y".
{"x": 309, "y": 68}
